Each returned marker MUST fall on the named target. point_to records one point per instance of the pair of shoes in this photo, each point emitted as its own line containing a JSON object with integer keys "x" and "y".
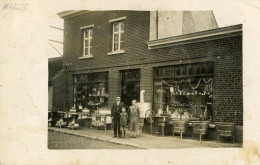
{"x": 119, "y": 137}
{"x": 134, "y": 136}
{"x": 114, "y": 136}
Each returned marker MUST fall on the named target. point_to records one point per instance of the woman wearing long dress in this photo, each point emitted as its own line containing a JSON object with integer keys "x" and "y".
{"x": 134, "y": 114}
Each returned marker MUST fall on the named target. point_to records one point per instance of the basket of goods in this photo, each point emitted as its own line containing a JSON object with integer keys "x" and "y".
{"x": 73, "y": 124}
{"x": 225, "y": 129}
{"x": 200, "y": 127}
{"x": 61, "y": 123}
{"x": 72, "y": 110}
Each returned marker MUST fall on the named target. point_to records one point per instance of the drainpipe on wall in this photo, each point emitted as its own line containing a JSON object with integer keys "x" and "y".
{"x": 142, "y": 96}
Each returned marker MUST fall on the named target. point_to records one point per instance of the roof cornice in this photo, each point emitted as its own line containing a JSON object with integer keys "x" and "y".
{"x": 72, "y": 13}
{"x": 225, "y": 32}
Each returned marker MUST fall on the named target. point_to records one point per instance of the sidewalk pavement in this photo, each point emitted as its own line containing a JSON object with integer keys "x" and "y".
{"x": 144, "y": 140}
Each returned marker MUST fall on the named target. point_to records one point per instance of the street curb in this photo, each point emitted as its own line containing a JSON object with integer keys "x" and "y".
{"x": 210, "y": 144}
{"x": 206, "y": 143}
{"x": 98, "y": 138}
{"x": 186, "y": 141}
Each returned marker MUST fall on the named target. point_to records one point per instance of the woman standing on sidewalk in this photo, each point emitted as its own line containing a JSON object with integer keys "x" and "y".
{"x": 134, "y": 114}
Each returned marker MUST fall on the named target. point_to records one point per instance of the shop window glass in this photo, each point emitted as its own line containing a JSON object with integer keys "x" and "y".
{"x": 161, "y": 72}
{"x": 210, "y": 68}
{"x": 136, "y": 75}
{"x": 88, "y": 94}
{"x": 203, "y": 69}
{"x": 182, "y": 93}
{"x": 130, "y": 75}
{"x": 178, "y": 71}
{"x": 168, "y": 72}
{"x": 172, "y": 72}
{"x": 190, "y": 70}
{"x": 197, "y": 70}
{"x": 184, "y": 70}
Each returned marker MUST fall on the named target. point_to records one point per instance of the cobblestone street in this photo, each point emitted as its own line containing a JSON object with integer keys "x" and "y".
{"x": 57, "y": 140}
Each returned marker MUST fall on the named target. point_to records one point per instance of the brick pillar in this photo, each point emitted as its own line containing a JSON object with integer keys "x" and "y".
{"x": 113, "y": 86}
{"x": 228, "y": 84}
{"x": 146, "y": 83}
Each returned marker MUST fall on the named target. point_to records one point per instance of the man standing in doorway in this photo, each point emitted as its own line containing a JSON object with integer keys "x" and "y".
{"x": 115, "y": 113}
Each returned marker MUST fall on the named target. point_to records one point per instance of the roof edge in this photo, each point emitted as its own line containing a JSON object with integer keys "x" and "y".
{"x": 207, "y": 35}
{"x": 71, "y": 13}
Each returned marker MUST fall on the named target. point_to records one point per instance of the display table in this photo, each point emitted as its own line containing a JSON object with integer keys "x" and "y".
{"x": 102, "y": 118}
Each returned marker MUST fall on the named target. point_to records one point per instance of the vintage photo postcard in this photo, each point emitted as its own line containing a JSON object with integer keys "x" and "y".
{"x": 166, "y": 84}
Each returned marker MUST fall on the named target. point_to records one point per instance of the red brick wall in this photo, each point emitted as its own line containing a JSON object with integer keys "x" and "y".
{"x": 227, "y": 99}
{"x": 146, "y": 83}
{"x": 113, "y": 86}
{"x": 227, "y": 72}
{"x": 136, "y": 34}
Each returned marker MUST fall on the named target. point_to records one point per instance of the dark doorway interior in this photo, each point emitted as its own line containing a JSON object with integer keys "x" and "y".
{"x": 130, "y": 86}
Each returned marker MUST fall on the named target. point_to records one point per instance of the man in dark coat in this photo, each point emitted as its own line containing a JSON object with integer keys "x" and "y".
{"x": 115, "y": 113}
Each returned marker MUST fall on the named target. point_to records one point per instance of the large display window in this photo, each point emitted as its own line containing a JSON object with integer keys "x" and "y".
{"x": 90, "y": 91}
{"x": 184, "y": 90}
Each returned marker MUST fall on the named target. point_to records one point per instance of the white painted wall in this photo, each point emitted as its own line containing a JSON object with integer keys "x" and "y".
{"x": 174, "y": 23}
{"x": 169, "y": 23}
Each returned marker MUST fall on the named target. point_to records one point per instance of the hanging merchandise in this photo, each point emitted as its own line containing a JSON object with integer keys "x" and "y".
{"x": 210, "y": 80}
{"x": 207, "y": 81}
{"x": 195, "y": 86}
{"x": 180, "y": 91}
{"x": 164, "y": 82}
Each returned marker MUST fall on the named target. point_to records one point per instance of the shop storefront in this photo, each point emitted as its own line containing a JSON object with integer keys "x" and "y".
{"x": 193, "y": 76}
{"x": 90, "y": 91}
{"x": 185, "y": 89}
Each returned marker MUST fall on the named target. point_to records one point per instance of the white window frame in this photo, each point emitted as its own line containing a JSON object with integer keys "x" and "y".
{"x": 89, "y": 38}
{"x": 118, "y": 21}
{"x": 87, "y": 28}
{"x": 119, "y": 32}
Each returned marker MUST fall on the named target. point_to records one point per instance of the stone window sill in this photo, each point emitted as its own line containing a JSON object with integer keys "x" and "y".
{"x": 116, "y": 52}
{"x": 85, "y": 57}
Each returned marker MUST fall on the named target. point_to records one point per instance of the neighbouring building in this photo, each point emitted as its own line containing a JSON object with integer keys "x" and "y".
{"x": 54, "y": 68}
{"x": 180, "y": 60}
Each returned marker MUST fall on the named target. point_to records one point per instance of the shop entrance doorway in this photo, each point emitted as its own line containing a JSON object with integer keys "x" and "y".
{"x": 130, "y": 86}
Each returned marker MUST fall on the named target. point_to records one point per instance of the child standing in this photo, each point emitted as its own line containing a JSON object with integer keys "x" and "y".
{"x": 123, "y": 121}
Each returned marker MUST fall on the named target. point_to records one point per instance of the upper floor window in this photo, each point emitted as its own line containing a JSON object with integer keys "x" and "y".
{"x": 118, "y": 36}
{"x": 118, "y": 25}
{"x": 87, "y": 45}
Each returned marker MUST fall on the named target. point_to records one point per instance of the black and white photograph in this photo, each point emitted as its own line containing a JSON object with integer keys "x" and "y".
{"x": 146, "y": 80}
{"x": 157, "y": 82}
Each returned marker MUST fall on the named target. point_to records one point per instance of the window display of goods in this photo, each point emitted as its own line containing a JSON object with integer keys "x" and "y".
{"x": 104, "y": 111}
{"x": 90, "y": 91}
{"x": 85, "y": 110}
{"x": 72, "y": 110}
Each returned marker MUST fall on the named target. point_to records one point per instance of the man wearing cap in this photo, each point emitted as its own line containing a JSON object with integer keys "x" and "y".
{"x": 115, "y": 113}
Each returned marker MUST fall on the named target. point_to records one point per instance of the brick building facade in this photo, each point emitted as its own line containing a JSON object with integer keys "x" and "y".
{"x": 222, "y": 46}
